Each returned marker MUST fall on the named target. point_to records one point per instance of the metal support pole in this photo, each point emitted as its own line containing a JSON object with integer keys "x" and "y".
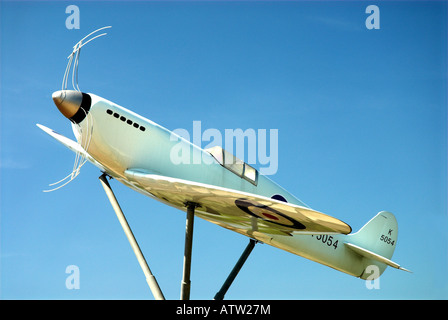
{"x": 221, "y": 293}
{"x": 150, "y": 279}
{"x": 186, "y": 283}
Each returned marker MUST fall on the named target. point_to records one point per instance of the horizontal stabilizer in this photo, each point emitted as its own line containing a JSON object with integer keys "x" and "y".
{"x": 371, "y": 255}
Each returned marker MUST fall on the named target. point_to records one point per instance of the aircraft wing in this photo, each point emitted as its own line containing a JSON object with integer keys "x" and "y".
{"x": 243, "y": 212}
{"x": 69, "y": 143}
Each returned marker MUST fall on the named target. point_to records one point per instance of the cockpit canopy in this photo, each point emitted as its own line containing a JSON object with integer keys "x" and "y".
{"x": 235, "y": 165}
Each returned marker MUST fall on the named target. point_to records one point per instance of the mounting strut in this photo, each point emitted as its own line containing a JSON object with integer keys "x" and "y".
{"x": 186, "y": 283}
{"x": 221, "y": 293}
{"x": 150, "y": 279}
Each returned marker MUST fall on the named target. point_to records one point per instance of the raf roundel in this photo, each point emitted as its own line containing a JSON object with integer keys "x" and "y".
{"x": 268, "y": 214}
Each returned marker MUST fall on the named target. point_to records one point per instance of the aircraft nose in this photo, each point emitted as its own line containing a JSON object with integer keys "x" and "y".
{"x": 67, "y": 101}
{"x": 74, "y": 105}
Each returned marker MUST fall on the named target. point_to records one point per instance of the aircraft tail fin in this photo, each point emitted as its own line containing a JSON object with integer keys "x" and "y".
{"x": 376, "y": 241}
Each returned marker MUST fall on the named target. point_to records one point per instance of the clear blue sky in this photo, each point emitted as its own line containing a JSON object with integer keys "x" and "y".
{"x": 361, "y": 116}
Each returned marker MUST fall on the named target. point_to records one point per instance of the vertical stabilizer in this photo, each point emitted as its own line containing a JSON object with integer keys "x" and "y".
{"x": 376, "y": 242}
{"x": 379, "y": 235}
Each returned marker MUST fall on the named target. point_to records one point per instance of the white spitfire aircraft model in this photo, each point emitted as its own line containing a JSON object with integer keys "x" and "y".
{"x": 222, "y": 189}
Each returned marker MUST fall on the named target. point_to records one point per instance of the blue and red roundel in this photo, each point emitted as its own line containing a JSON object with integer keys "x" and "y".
{"x": 268, "y": 214}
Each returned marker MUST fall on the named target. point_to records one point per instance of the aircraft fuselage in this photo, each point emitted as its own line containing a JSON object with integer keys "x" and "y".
{"x": 121, "y": 139}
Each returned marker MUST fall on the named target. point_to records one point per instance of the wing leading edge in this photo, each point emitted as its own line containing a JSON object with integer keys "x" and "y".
{"x": 243, "y": 212}
{"x": 69, "y": 143}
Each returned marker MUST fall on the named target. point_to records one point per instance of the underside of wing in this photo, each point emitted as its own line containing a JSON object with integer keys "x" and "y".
{"x": 69, "y": 143}
{"x": 243, "y": 212}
